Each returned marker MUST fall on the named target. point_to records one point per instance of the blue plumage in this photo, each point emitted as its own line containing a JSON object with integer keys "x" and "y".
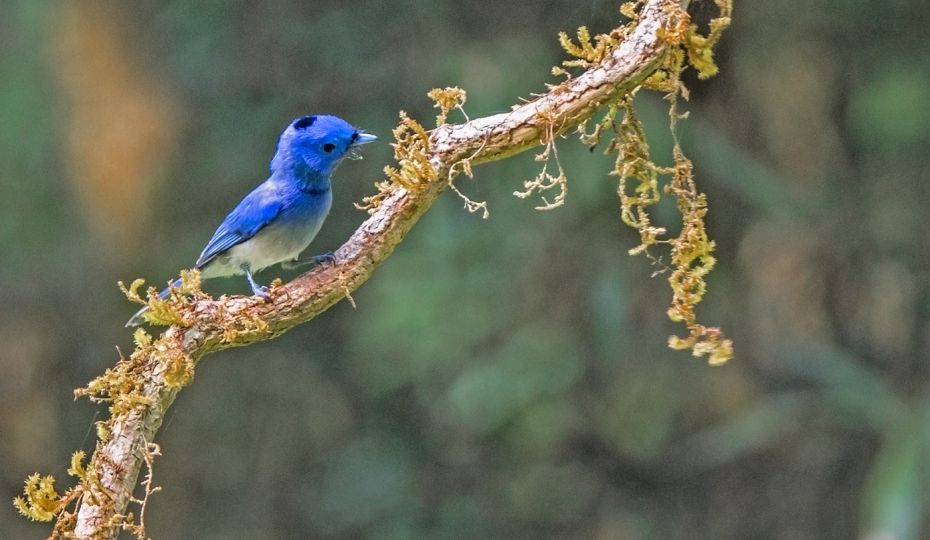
{"x": 257, "y": 210}
{"x": 282, "y": 215}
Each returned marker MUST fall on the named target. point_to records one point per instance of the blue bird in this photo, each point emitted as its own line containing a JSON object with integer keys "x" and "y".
{"x": 279, "y": 218}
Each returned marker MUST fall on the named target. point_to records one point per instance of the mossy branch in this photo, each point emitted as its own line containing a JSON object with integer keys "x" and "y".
{"x": 141, "y": 388}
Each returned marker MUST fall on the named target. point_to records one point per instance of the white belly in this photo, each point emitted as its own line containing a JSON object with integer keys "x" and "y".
{"x": 270, "y": 246}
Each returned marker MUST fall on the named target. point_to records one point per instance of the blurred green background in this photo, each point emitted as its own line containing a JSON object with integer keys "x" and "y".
{"x": 505, "y": 378}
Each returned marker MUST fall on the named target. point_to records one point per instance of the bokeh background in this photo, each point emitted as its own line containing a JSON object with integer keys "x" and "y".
{"x": 500, "y": 378}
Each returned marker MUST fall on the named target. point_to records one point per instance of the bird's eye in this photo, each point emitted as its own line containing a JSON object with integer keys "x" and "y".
{"x": 329, "y": 147}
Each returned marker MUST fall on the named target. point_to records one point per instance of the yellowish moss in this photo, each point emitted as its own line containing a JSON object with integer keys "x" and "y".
{"x": 411, "y": 150}
{"x": 546, "y": 180}
{"x": 588, "y": 51}
{"x": 163, "y": 311}
{"x": 630, "y": 10}
{"x": 691, "y": 251}
{"x": 593, "y": 138}
{"x": 640, "y": 180}
{"x": 190, "y": 283}
{"x": 591, "y": 50}
{"x": 141, "y": 338}
{"x": 40, "y": 501}
{"x": 701, "y": 48}
{"x": 665, "y": 79}
{"x": 237, "y": 327}
{"x": 179, "y": 370}
{"x": 446, "y": 99}
{"x": 413, "y": 170}
{"x": 638, "y": 186}
{"x": 132, "y": 293}
{"x": 121, "y": 386}
{"x": 170, "y": 310}
{"x": 103, "y": 431}
{"x": 692, "y": 260}
{"x": 77, "y": 468}
{"x": 129, "y": 523}
{"x": 674, "y": 30}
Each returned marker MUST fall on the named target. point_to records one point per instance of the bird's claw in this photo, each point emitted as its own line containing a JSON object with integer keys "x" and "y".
{"x": 327, "y": 257}
{"x": 262, "y": 292}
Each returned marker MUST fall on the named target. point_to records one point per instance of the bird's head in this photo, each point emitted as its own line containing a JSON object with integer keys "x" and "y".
{"x": 315, "y": 145}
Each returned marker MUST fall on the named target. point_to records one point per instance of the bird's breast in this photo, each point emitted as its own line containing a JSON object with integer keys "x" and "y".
{"x": 281, "y": 240}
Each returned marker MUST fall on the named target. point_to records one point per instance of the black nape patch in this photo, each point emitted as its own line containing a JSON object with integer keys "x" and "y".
{"x": 354, "y": 137}
{"x": 304, "y": 122}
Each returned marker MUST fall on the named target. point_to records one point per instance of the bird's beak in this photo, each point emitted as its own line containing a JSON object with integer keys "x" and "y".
{"x": 365, "y": 138}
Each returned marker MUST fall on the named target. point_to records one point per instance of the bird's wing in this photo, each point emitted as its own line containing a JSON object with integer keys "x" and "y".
{"x": 257, "y": 209}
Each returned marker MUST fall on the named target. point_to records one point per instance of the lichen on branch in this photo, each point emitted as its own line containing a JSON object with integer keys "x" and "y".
{"x": 413, "y": 169}
{"x": 546, "y": 180}
{"x": 641, "y": 182}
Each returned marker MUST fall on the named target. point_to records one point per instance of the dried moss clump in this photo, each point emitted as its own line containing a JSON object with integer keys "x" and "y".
{"x": 41, "y": 502}
{"x": 640, "y": 179}
{"x": 124, "y": 388}
{"x": 547, "y": 180}
{"x": 169, "y": 310}
{"x": 590, "y": 51}
{"x": 701, "y": 48}
{"x": 446, "y": 99}
{"x": 413, "y": 170}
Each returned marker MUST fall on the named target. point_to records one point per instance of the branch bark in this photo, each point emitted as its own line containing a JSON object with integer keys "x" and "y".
{"x": 116, "y": 463}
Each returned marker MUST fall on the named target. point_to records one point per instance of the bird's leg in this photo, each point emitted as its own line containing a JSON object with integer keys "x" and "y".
{"x": 327, "y": 257}
{"x": 257, "y": 290}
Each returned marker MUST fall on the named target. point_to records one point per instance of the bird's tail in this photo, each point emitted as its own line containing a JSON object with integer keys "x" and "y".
{"x": 137, "y": 319}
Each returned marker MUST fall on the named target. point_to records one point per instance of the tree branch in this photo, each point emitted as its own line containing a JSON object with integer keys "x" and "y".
{"x": 213, "y": 325}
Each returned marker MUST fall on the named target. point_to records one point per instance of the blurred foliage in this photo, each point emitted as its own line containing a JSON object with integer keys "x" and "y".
{"x": 504, "y": 377}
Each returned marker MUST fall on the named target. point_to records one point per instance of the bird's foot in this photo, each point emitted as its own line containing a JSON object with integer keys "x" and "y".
{"x": 327, "y": 257}
{"x": 258, "y": 290}
{"x": 262, "y": 292}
